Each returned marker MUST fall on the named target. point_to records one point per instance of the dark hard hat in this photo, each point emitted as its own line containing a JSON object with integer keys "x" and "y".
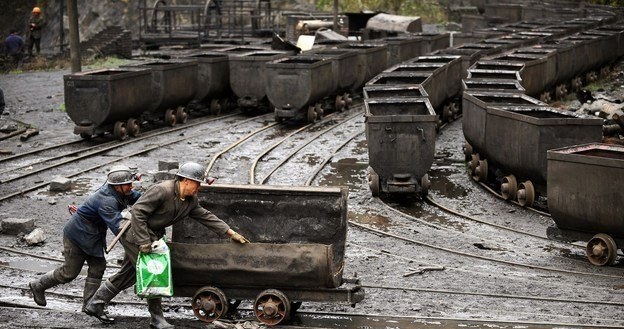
{"x": 120, "y": 175}
{"x": 192, "y": 170}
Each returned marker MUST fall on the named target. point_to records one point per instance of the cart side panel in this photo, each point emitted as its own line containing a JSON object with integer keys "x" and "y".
{"x": 291, "y": 265}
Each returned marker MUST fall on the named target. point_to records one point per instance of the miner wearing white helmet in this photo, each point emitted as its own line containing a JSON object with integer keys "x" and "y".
{"x": 162, "y": 205}
{"x": 84, "y": 234}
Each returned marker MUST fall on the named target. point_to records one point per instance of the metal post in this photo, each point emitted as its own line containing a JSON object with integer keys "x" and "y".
{"x": 74, "y": 36}
{"x": 335, "y": 15}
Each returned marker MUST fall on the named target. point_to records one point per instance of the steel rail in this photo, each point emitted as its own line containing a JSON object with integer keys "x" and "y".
{"x": 107, "y": 147}
{"x": 331, "y": 156}
{"x": 309, "y": 141}
{"x": 102, "y": 164}
{"x": 233, "y": 145}
{"x": 424, "y": 244}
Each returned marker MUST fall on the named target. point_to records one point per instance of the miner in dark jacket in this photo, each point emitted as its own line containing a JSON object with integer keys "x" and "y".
{"x": 35, "y": 26}
{"x": 84, "y": 235}
{"x": 162, "y": 205}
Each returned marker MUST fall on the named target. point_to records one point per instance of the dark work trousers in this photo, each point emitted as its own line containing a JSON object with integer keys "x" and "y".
{"x": 74, "y": 259}
{"x": 126, "y": 276}
{"x": 32, "y": 41}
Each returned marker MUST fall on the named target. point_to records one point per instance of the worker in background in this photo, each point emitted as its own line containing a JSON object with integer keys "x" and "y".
{"x": 35, "y": 25}
{"x": 84, "y": 235}
{"x": 14, "y": 47}
{"x": 161, "y": 206}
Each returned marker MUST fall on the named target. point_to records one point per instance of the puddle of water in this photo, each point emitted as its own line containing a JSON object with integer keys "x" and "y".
{"x": 417, "y": 211}
{"x": 370, "y": 219}
{"x": 441, "y": 183}
{"x": 345, "y": 172}
{"x": 31, "y": 265}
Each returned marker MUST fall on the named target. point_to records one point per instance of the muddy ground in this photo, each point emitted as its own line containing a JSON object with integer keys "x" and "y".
{"x": 36, "y": 99}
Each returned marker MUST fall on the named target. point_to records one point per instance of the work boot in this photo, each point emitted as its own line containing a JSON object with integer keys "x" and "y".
{"x": 95, "y": 306}
{"x": 154, "y": 305}
{"x": 90, "y": 287}
{"x": 38, "y": 287}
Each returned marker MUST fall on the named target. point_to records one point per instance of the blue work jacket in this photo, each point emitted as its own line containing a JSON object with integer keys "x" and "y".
{"x": 87, "y": 227}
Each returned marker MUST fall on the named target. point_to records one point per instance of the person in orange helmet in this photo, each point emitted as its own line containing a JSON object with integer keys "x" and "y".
{"x": 35, "y": 25}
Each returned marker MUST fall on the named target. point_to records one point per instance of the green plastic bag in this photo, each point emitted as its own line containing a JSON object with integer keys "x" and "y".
{"x": 153, "y": 272}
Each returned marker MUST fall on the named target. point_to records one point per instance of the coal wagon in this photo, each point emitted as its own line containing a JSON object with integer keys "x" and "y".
{"x": 107, "y": 100}
{"x": 173, "y": 85}
{"x": 298, "y": 84}
{"x": 585, "y": 195}
{"x": 400, "y": 134}
{"x": 295, "y": 255}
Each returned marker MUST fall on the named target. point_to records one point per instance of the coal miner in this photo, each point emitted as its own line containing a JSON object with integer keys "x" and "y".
{"x": 84, "y": 235}
{"x": 35, "y": 26}
{"x": 162, "y": 205}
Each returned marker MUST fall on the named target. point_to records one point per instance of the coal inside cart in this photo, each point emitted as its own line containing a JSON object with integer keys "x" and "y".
{"x": 298, "y": 239}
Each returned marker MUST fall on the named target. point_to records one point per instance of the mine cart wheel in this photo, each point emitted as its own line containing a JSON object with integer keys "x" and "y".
{"x": 373, "y": 182}
{"x": 86, "y": 136}
{"x": 271, "y": 307}
{"x": 601, "y": 250}
{"x": 348, "y": 100}
{"x": 119, "y": 131}
{"x": 509, "y": 187}
{"x": 561, "y": 91}
{"x": 526, "y": 194}
{"x": 481, "y": 171}
{"x": 133, "y": 128}
{"x": 278, "y": 118}
{"x": 170, "y": 118}
{"x": 319, "y": 111}
{"x": 447, "y": 113}
{"x": 576, "y": 84}
{"x": 425, "y": 184}
{"x": 545, "y": 97}
{"x": 215, "y": 107}
{"x": 591, "y": 77}
{"x": 181, "y": 115}
{"x": 311, "y": 114}
{"x": 604, "y": 72}
{"x": 467, "y": 151}
{"x": 473, "y": 163}
{"x": 340, "y": 103}
{"x": 223, "y": 104}
{"x": 209, "y": 304}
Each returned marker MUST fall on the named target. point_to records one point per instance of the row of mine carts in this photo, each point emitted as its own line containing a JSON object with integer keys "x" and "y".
{"x": 533, "y": 153}
{"x": 300, "y": 87}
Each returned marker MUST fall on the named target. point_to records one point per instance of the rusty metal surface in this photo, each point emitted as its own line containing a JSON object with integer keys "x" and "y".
{"x": 298, "y": 81}
{"x": 401, "y": 139}
{"x": 583, "y": 190}
{"x": 173, "y": 82}
{"x": 347, "y": 64}
{"x": 384, "y": 91}
{"x": 273, "y": 214}
{"x": 101, "y": 97}
{"x": 248, "y": 73}
{"x": 474, "y": 107}
{"x": 518, "y": 137}
{"x": 262, "y": 265}
{"x": 373, "y": 57}
{"x": 213, "y": 75}
{"x": 512, "y": 86}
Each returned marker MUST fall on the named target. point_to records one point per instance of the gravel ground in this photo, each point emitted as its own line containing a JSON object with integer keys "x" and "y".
{"x": 36, "y": 99}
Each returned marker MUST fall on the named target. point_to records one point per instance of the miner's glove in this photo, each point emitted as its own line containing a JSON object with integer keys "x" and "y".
{"x": 145, "y": 248}
{"x": 239, "y": 238}
{"x": 126, "y": 214}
